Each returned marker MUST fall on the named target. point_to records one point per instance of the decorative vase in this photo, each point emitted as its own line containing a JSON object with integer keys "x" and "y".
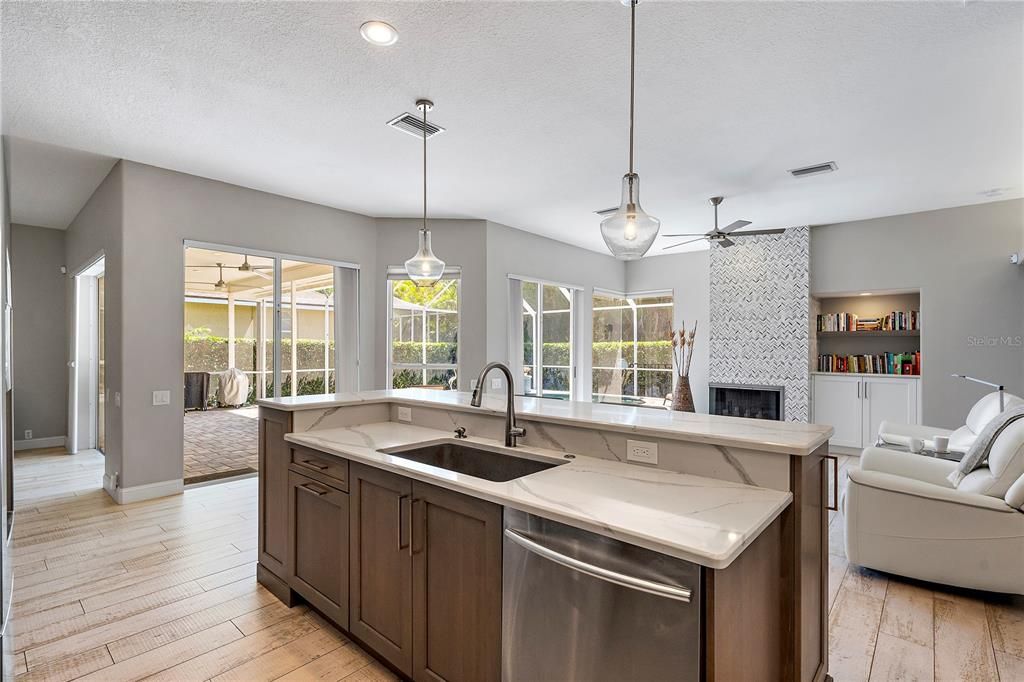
{"x": 682, "y": 397}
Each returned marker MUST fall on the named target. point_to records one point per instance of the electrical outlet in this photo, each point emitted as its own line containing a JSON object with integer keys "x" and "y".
{"x": 472, "y": 385}
{"x": 28, "y": 434}
{"x": 117, "y": 398}
{"x": 641, "y": 451}
{"x": 404, "y": 414}
{"x": 496, "y": 383}
{"x": 161, "y": 397}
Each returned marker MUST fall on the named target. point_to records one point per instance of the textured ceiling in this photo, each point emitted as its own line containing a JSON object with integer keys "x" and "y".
{"x": 919, "y": 103}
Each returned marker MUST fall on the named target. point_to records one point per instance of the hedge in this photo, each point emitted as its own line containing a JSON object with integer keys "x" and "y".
{"x": 210, "y": 353}
{"x": 656, "y": 354}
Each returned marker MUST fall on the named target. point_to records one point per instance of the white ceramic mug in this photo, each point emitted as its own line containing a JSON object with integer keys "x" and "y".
{"x": 941, "y": 443}
{"x": 916, "y": 445}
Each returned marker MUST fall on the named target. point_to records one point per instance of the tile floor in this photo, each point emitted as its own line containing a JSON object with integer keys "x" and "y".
{"x": 219, "y": 441}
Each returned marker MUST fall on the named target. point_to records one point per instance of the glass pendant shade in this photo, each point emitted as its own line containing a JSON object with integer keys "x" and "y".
{"x": 424, "y": 268}
{"x": 630, "y": 232}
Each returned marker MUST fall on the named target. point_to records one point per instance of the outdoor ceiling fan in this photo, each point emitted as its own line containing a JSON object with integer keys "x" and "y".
{"x": 724, "y": 236}
{"x": 244, "y": 267}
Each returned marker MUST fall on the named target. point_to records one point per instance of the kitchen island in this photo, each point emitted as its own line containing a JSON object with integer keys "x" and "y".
{"x": 363, "y": 518}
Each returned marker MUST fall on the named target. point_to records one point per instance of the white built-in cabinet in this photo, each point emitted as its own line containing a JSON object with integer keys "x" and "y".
{"x": 855, "y": 404}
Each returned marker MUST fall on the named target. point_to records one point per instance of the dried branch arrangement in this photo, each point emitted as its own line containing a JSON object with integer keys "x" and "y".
{"x": 682, "y": 348}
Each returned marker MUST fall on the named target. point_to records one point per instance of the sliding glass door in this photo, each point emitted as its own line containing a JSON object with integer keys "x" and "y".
{"x": 273, "y": 318}
{"x": 546, "y": 340}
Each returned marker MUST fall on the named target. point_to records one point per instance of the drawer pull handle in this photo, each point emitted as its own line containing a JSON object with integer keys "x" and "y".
{"x": 316, "y": 491}
{"x": 315, "y": 465}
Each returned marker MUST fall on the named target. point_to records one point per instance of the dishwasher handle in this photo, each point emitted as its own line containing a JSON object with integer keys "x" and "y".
{"x": 659, "y": 589}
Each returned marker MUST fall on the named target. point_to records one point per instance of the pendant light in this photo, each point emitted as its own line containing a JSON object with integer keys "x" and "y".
{"x": 424, "y": 268}
{"x": 629, "y": 232}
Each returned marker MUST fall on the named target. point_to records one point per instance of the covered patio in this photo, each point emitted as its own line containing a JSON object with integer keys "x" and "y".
{"x": 230, "y": 325}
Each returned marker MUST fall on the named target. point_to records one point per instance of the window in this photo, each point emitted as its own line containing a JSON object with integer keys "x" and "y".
{"x": 632, "y": 349}
{"x": 548, "y": 368}
{"x": 424, "y": 331}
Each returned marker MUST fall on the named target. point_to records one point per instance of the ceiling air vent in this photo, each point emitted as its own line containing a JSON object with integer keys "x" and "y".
{"x": 413, "y": 125}
{"x": 813, "y": 170}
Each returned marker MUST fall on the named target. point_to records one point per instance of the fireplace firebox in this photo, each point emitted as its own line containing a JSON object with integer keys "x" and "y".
{"x": 741, "y": 400}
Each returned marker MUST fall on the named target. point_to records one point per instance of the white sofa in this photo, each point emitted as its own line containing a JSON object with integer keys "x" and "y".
{"x": 960, "y": 440}
{"x": 903, "y": 516}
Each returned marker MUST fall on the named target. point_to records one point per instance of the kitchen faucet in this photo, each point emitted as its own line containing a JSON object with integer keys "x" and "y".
{"x": 512, "y": 432}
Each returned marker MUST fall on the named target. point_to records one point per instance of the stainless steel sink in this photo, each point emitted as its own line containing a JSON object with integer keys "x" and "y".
{"x": 481, "y": 461}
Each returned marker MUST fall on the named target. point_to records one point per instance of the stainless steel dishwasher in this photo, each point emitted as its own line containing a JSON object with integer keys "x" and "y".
{"x": 580, "y": 606}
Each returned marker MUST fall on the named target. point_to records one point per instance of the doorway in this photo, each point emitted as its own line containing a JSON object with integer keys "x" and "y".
{"x": 258, "y": 325}
{"x": 87, "y": 370}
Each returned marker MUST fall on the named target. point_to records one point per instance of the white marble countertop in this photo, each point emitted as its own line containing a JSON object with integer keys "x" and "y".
{"x": 795, "y": 438}
{"x": 703, "y": 520}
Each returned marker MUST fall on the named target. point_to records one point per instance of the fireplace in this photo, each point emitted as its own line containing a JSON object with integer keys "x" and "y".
{"x": 739, "y": 400}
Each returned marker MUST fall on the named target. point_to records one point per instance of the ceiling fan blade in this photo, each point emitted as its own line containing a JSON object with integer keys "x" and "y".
{"x": 690, "y": 241}
{"x": 606, "y": 211}
{"x": 734, "y": 226}
{"x": 684, "y": 234}
{"x": 260, "y": 274}
{"x": 752, "y": 233}
{"x": 725, "y": 242}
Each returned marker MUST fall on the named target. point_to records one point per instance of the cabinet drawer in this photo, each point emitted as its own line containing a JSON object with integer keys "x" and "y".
{"x": 334, "y": 471}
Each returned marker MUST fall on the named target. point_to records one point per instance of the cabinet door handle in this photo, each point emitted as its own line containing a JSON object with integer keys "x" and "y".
{"x": 858, "y": 390}
{"x": 834, "y": 506}
{"x": 419, "y": 528}
{"x": 403, "y": 539}
{"x": 315, "y": 465}
{"x": 865, "y": 390}
{"x": 313, "y": 489}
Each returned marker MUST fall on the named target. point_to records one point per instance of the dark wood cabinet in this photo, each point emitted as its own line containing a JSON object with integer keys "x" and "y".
{"x": 456, "y": 586}
{"x": 274, "y": 457}
{"x": 318, "y": 556}
{"x": 380, "y": 611}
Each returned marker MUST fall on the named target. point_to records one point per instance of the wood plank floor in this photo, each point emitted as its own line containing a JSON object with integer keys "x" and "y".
{"x": 165, "y": 590}
{"x": 884, "y": 627}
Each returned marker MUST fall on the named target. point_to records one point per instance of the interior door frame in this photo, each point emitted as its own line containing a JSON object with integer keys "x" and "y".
{"x": 83, "y": 292}
{"x": 278, "y": 257}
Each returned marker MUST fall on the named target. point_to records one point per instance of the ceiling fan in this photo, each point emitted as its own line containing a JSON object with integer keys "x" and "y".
{"x": 218, "y": 285}
{"x": 724, "y": 236}
{"x": 244, "y": 267}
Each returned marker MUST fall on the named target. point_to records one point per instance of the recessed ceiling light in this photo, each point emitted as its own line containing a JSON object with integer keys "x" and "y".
{"x": 865, "y": 293}
{"x": 379, "y": 33}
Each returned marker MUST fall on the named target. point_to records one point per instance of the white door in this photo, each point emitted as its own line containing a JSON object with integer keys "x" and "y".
{"x": 837, "y": 403}
{"x": 888, "y": 399}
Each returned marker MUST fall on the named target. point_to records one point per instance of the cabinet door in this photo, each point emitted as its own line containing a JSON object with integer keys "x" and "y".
{"x": 888, "y": 399}
{"x": 380, "y": 611}
{"x": 456, "y": 548}
{"x": 837, "y": 403}
{"x": 274, "y": 457}
{"x": 318, "y": 557}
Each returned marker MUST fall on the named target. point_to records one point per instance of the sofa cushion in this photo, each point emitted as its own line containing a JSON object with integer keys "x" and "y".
{"x": 986, "y": 409}
{"x": 1005, "y": 463}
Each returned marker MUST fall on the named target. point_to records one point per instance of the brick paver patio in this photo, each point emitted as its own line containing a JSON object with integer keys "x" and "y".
{"x": 219, "y": 441}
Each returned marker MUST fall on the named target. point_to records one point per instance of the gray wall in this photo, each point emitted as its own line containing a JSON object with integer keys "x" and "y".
{"x": 456, "y": 242}
{"x": 511, "y": 251}
{"x": 972, "y": 299}
{"x": 95, "y": 231}
{"x": 688, "y": 276}
{"x": 40, "y": 331}
{"x": 162, "y": 210}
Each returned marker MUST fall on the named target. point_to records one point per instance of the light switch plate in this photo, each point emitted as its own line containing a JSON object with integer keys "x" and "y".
{"x": 161, "y": 397}
{"x": 404, "y": 414}
{"x": 117, "y": 399}
{"x": 641, "y": 451}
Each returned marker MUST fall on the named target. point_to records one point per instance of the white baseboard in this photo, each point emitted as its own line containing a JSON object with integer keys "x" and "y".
{"x": 138, "y": 493}
{"x": 51, "y": 442}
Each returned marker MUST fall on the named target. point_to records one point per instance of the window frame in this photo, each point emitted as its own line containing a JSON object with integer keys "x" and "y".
{"x": 633, "y": 368}
{"x": 397, "y": 273}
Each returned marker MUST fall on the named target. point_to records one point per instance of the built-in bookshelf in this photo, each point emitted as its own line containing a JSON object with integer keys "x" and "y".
{"x": 867, "y": 334}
